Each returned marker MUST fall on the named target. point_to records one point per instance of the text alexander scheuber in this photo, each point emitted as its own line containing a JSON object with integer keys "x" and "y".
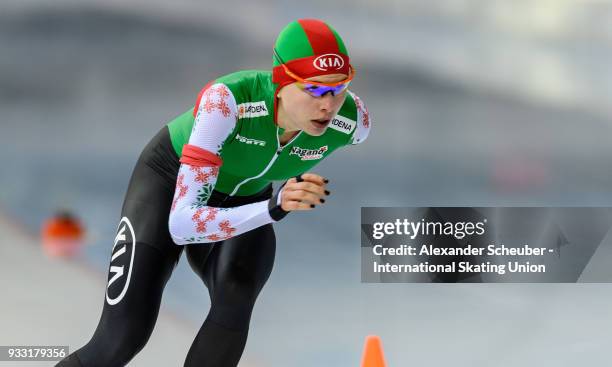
{"x": 458, "y": 230}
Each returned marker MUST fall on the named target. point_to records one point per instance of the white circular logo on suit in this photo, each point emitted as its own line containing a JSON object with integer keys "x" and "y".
{"x": 121, "y": 262}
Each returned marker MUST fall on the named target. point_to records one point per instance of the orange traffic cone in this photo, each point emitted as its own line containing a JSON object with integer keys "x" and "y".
{"x": 373, "y": 353}
{"x": 62, "y": 235}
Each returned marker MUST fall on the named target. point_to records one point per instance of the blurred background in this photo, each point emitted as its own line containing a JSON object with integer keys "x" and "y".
{"x": 473, "y": 103}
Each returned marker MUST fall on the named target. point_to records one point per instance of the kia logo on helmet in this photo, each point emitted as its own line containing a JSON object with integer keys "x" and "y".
{"x": 328, "y": 62}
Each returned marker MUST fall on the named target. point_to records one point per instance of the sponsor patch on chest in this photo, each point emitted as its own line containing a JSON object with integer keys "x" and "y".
{"x": 252, "y": 109}
{"x": 250, "y": 141}
{"x": 309, "y": 154}
{"x": 342, "y": 124}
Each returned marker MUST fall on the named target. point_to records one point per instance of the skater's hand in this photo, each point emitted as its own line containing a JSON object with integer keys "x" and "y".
{"x": 304, "y": 192}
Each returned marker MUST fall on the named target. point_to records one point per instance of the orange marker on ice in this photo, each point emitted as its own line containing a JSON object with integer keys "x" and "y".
{"x": 373, "y": 353}
{"x": 62, "y": 235}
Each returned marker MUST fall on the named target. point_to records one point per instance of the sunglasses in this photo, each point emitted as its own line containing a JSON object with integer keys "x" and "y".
{"x": 317, "y": 89}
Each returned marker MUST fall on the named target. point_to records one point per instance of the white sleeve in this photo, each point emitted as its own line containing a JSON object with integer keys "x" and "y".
{"x": 191, "y": 220}
{"x": 363, "y": 121}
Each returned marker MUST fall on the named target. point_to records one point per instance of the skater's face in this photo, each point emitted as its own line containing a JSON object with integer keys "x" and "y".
{"x": 303, "y": 111}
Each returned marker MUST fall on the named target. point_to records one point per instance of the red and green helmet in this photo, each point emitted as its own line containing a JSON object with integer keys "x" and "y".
{"x": 308, "y": 47}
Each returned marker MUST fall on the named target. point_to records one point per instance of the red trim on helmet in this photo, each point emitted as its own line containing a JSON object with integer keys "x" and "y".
{"x": 304, "y": 67}
{"x": 198, "y": 157}
{"x": 319, "y": 35}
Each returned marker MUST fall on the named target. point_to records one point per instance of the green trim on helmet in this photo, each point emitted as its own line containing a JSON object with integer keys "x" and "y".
{"x": 341, "y": 46}
{"x": 292, "y": 43}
